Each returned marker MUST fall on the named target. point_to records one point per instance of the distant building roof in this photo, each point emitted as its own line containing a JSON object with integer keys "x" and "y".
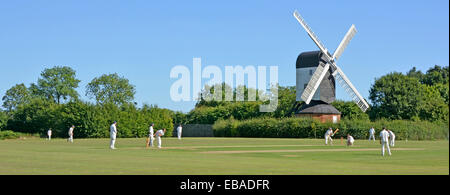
{"x": 317, "y": 107}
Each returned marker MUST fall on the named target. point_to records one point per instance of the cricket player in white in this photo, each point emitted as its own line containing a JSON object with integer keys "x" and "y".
{"x": 372, "y": 134}
{"x": 179, "y": 130}
{"x": 384, "y": 140}
{"x": 159, "y": 134}
{"x": 328, "y": 135}
{"x": 49, "y": 134}
{"x": 391, "y": 138}
{"x": 350, "y": 140}
{"x": 71, "y": 134}
{"x": 113, "y": 133}
{"x": 151, "y": 134}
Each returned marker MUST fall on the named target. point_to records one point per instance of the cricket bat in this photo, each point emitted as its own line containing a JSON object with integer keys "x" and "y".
{"x": 337, "y": 130}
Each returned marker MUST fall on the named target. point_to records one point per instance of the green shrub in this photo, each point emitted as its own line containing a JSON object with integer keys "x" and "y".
{"x": 3, "y": 119}
{"x": 90, "y": 120}
{"x": 307, "y": 128}
{"x": 8, "y": 135}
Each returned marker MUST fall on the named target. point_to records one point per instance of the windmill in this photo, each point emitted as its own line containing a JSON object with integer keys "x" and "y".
{"x": 317, "y": 72}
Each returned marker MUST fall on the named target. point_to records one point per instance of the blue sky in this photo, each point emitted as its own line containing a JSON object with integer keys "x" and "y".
{"x": 143, "y": 40}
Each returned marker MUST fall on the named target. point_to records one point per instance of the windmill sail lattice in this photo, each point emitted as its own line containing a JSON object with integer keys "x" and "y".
{"x": 351, "y": 90}
{"x": 314, "y": 83}
{"x": 320, "y": 72}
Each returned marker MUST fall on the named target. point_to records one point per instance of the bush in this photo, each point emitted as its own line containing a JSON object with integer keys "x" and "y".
{"x": 90, "y": 120}
{"x": 237, "y": 110}
{"x": 307, "y": 128}
{"x": 8, "y": 135}
{"x": 3, "y": 120}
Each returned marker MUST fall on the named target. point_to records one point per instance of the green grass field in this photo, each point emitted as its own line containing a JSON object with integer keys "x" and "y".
{"x": 222, "y": 156}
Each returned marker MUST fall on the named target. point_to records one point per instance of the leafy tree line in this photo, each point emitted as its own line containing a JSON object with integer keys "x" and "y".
{"x": 53, "y": 102}
{"x": 209, "y": 111}
{"x": 395, "y": 96}
{"x": 411, "y": 96}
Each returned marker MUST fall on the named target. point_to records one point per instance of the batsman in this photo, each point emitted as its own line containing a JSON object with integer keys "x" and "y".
{"x": 329, "y": 134}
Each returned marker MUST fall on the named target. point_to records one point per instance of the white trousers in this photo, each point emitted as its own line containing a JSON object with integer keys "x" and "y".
{"x": 392, "y": 142}
{"x": 328, "y": 138}
{"x": 372, "y": 136}
{"x": 179, "y": 134}
{"x": 159, "y": 141}
{"x": 151, "y": 140}
{"x": 349, "y": 143}
{"x": 385, "y": 145}
{"x": 113, "y": 141}
{"x": 49, "y": 137}
{"x": 70, "y": 139}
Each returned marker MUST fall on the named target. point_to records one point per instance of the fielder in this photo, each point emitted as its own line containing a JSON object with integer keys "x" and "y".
{"x": 328, "y": 135}
{"x": 384, "y": 141}
{"x": 113, "y": 133}
{"x": 71, "y": 134}
{"x": 372, "y": 134}
{"x": 350, "y": 140}
{"x": 151, "y": 135}
{"x": 179, "y": 130}
{"x": 391, "y": 138}
{"x": 159, "y": 134}
{"x": 49, "y": 134}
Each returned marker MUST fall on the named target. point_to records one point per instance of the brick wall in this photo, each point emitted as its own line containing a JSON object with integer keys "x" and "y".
{"x": 321, "y": 117}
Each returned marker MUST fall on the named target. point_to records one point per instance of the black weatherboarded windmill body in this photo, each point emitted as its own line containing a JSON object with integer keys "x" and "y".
{"x": 317, "y": 73}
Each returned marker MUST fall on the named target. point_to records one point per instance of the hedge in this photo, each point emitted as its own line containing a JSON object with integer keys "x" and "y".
{"x": 91, "y": 121}
{"x": 308, "y": 128}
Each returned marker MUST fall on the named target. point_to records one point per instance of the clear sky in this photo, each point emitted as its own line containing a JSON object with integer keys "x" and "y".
{"x": 143, "y": 40}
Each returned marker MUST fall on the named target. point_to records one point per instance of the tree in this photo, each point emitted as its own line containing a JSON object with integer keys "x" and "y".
{"x": 57, "y": 83}
{"x": 415, "y": 73}
{"x": 111, "y": 89}
{"x": 398, "y": 96}
{"x": 287, "y": 102}
{"x": 444, "y": 91}
{"x": 349, "y": 110}
{"x": 433, "y": 106}
{"x": 34, "y": 117}
{"x": 15, "y": 96}
{"x": 436, "y": 75}
{"x": 395, "y": 96}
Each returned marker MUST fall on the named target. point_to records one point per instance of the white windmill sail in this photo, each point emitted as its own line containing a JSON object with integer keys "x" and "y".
{"x": 311, "y": 34}
{"x": 350, "y": 89}
{"x": 314, "y": 83}
{"x": 320, "y": 72}
{"x": 348, "y": 37}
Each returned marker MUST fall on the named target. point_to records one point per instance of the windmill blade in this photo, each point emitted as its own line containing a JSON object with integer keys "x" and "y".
{"x": 350, "y": 89}
{"x": 311, "y": 34}
{"x": 348, "y": 37}
{"x": 314, "y": 83}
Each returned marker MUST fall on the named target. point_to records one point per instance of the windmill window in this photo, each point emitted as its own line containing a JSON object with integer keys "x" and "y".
{"x": 310, "y": 72}
{"x": 304, "y": 86}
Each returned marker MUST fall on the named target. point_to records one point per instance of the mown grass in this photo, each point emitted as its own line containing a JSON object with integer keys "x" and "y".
{"x": 186, "y": 157}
